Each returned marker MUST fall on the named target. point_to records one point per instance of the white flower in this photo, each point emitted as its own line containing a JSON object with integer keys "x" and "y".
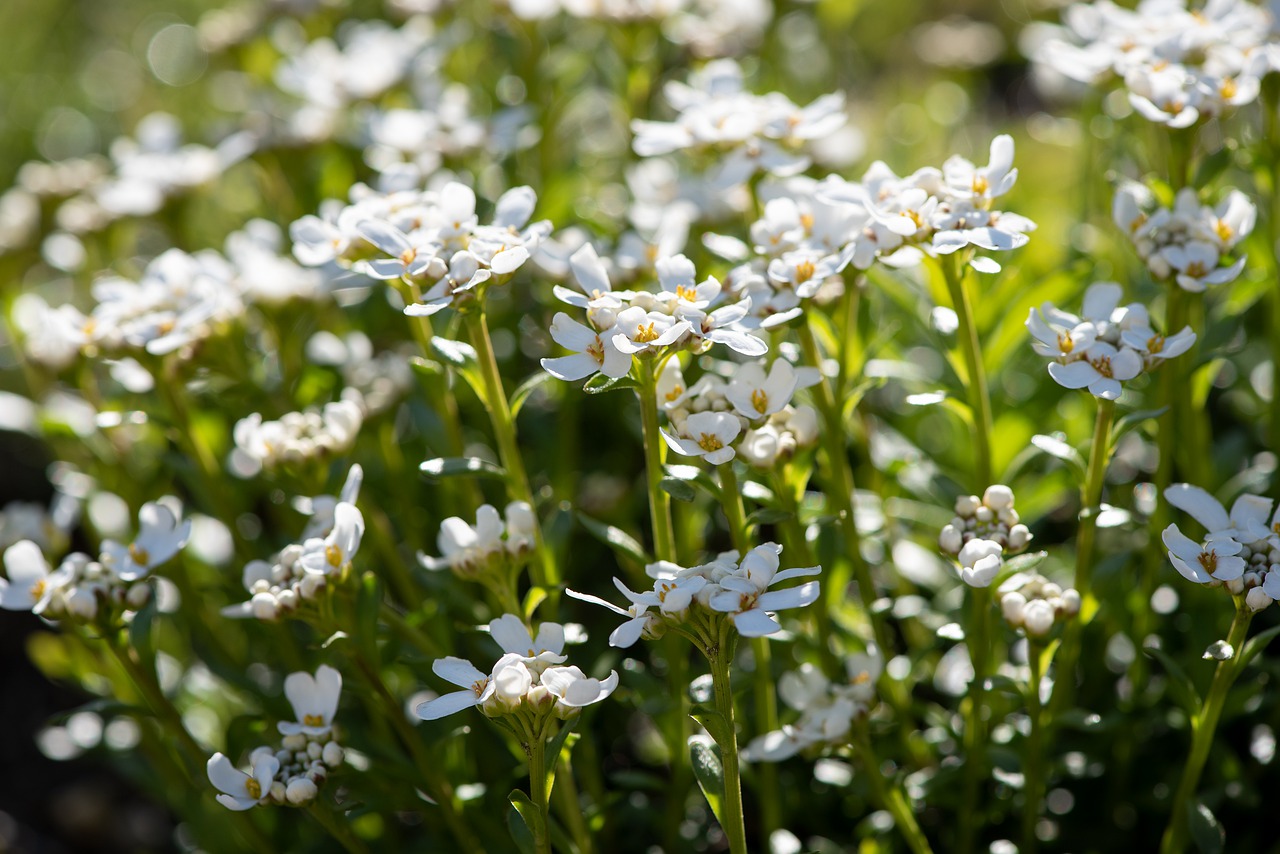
{"x": 322, "y": 508}
{"x": 708, "y": 435}
{"x": 466, "y": 548}
{"x": 1217, "y": 559}
{"x": 637, "y": 330}
{"x": 31, "y": 584}
{"x": 1247, "y": 522}
{"x": 980, "y": 562}
{"x": 314, "y": 700}
{"x": 160, "y": 537}
{"x": 240, "y": 791}
{"x": 638, "y": 617}
{"x": 592, "y": 352}
{"x": 513, "y": 636}
{"x": 573, "y": 689}
{"x": 984, "y": 183}
{"x": 754, "y": 395}
{"x": 334, "y": 552}
{"x": 478, "y": 688}
{"x": 1102, "y": 370}
{"x": 511, "y": 680}
{"x": 1196, "y": 265}
{"x": 745, "y": 595}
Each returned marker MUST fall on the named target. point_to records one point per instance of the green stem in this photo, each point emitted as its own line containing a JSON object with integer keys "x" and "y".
{"x": 1091, "y": 501}
{"x": 976, "y": 380}
{"x": 887, "y": 793}
{"x": 540, "y": 793}
{"x": 542, "y": 570}
{"x": 566, "y": 795}
{"x": 1271, "y": 151}
{"x": 839, "y": 484}
{"x": 144, "y": 679}
{"x": 979, "y": 644}
{"x": 1203, "y": 726}
{"x": 664, "y": 543}
{"x": 1035, "y": 781}
{"x": 721, "y": 660}
{"x": 337, "y": 828}
{"x": 763, "y": 688}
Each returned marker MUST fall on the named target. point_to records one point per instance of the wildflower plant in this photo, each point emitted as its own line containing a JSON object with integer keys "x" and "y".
{"x": 634, "y": 396}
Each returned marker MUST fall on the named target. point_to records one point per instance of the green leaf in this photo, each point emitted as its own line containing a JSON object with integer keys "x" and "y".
{"x": 678, "y": 489}
{"x": 1047, "y": 654}
{"x": 1254, "y": 646}
{"x": 768, "y": 516}
{"x": 560, "y": 744}
{"x": 1055, "y": 447}
{"x": 456, "y": 353}
{"x": 1133, "y": 419}
{"x": 532, "y": 600}
{"x": 707, "y": 768}
{"x": 599, "y": 384}
{"x": 525, "y": 389}
{"x": 1024, "y": 563}
{"x": 1206, "y": 832}
{"x": 615, "y": 538}
{"x": 460, "y": 466}
{"x": 368, "y": 604}
{"x": 427, "y": 367}
{"x": 141, "y": 635}
{"x": 1180, "y": 684}
{"x": 712, "y": 721}
{"x": 1212, "y": 166}
{"x": 519, "y": 817}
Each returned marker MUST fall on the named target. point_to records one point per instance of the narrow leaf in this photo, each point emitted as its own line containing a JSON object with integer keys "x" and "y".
{"x": 1206, "y": 832}
{"x": 678, "y": 489}
{"x": 599, "y": 384}
{"x": 459, "y": 466}
{"x": 707, "y": 768}
{"x": 615, "y": 538}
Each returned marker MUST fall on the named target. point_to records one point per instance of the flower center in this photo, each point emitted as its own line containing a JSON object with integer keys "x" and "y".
{"x": 1103, "y": 366}
{"x": 760, "y": 400}
{"x": 674, "y": 393}
{"x": 1224, "y": 231}
{"x": 1209, "y": 560}
{"x": 1065, "y": 344}
{"x": 861, "y": 679}
{"x": 596, "y": 350}
{"x": 37, "y": 589}
{"x": 1155, "y": 344}
{"x": 1195, "y": 270}
{"x": 685, "y": 292}
{"x": 139, "y": 556}
{"x": 333, "y": 555}
{"x": 710, "y": 442}
{"x": 806, "y": 220}
{"x": 407, "y": 256}
{"x": 645, "y": 334}
{"x": 253, "y": 788}
{"x": 980, "y": 185}
{"x": 804, "y": 271}
{"x": 1227, "y": 89}
{"x": 478, "y": 686}
{"x": 312, "y": 720}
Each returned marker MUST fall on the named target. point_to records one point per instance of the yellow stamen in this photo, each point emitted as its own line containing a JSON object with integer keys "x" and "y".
{"x": 980, "y": 185}
{"x": 760, "y": 400}
{"x": 645, "y": 334}
{"x": 333, "y": 555}
{"x": 710, "y": 442}
{"x": 1065, "y": 344}
{"x": 1155, "y": 344}
{"x": 312, "y": 720}
{"x": 1195, "y": 270}
{"x": 139, "y": 556}
{"x": 1224, "y": 231}
{"x": 691, "y": 294}
{"x": 1209, "y": 560}
{"x": 1227, "y": 89}
{"x": 253, "y": 788}
{"x": 674, "y": 393}
{"x": 1103, "y": 366}
{"x": 804, "y": 271}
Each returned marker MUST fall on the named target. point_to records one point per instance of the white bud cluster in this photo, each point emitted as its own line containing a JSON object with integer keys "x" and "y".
{"x": 1033, "y": 603}
{"x": 298, "y": 436}
{"x": 1261, "y": 558}
{"x": 277, "y": 587}
{"x": 991, "y": 517}
{"x": 489, "y": 548}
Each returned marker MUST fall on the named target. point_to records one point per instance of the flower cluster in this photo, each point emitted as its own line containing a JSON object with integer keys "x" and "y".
{"x": 301, "y": 571}
{"x": 491, "y": 547}
{"x": 1240, "y": 551}
{"x": 1179, "y": 65}
{"x": 688, "y": 599}
{"x": 1033, "y": 603}
{"x": 85, "y": 589}
{"x": 297, "y": 437}
{"x": 627, "y": 324}
{"x": 827, "y": 709}
{"x": 529, "y": 681}
{"x": 1109, "y": 345}
{"x": 982, "y": 532}
{"x": 1190, "y": 243}
{"x": 743, "y": 133}
{"x": 427, "y": 238}
{"x": 308, "y": 752}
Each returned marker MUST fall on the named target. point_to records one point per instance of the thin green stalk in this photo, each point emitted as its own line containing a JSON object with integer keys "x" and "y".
{"x": 1203, "y": 727}
{"x": 1091, "y": 501}
{"x": 664, "y": 543}
{"x": 888, "y": 794}
{"x": 721, "y": 660}
{"x": 978, "y": 641}
{"x": 1271, "y": 150}
{"x": 763, "y": 688}
{"x": 337, "y": 828}
{"x": 191, "y": 753}
{"x": 566, "y": 795}
{"x": 542, "y": 570}
{"x": 1035, "y": 772}
{"x": 976, "y": 382}
{"x": 839, "y": 485}
{"x": 540, "y": 793}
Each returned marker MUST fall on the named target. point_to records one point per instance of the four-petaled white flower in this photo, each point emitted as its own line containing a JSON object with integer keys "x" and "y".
{"x": 331, "y": 554}
{"x": 574, "y": 690}
{"x": 31, "y": 584}
{"x": 160, "y": 537}
{"x": 241, "y": 791}
{"x": 513, "y": 636}
{"x": 755, "y": 395}
{"x": 314, "y": 700}
{"x": 592, "y": 352}
{"x": 744, "y": 594}
{"x": 708, "y": 435}
{"x": 1216, "y": 559}
{"x": 478, "y": 688}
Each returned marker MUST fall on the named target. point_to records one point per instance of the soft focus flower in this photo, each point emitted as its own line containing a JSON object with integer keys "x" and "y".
{"x": 314, "y": 700}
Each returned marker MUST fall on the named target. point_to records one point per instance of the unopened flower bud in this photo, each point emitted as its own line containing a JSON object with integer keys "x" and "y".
{"x": 287, "y": 600}
{"x": 951, "y": 540}
{"x": 1236, "y": 586}
{"x": 264, "y": 606}
{"x": 301, "y": 791}
{"x": 83, "y": 603}
{"x": 137, "y": 596}
{"x": 1012, "y": 605}
{"x": 983, "y": 514}
{"x": 1070, "y": 602}
{"x": 967, "y": 505}
{"x": 311, "y": 585}
{"x": 294, "y": 742}
{"x": 332, "y": 754}
{"x": 1018, "y": 537}
{"x": 278, "y": 792}
{"x": 1050, "y": 590}
{"x": 1037, "y": 618}
{"x": 539, "y": 699}
{"x": 314, "y": 751}
{"x": 1257, "y": 599}
{"x": 998, "y": 497}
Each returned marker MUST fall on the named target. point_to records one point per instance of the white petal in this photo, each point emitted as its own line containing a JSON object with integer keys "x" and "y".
{"x": 445, "y": 705}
